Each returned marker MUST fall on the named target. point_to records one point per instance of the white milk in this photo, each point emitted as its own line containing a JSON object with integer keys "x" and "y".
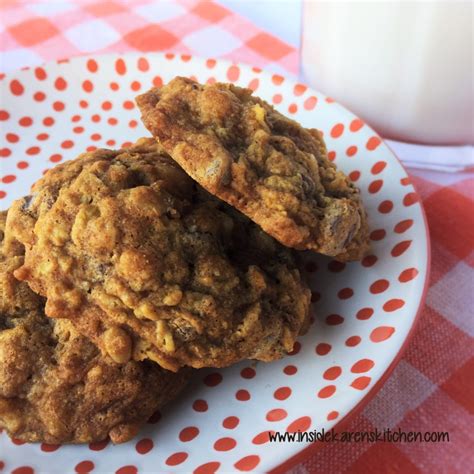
{"x": 404, "y": 67}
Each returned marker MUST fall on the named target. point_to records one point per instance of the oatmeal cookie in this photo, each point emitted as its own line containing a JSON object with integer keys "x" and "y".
{"x": 267, "y": 166}
{"x": 55, "y": 386}
{"x": 149, "y": 265}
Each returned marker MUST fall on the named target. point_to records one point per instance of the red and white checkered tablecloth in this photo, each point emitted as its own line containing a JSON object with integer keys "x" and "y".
{"x": 432, "y": 388}
{"x": 32, "y": 32}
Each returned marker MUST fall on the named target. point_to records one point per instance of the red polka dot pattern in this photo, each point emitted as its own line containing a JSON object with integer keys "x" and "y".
{"x": 39, "y": 96}
{"x": 290, "y": 370}
{"x": 323, "y": 348}
{"x": 16, "y": 87}
{"x": 353, "y": 341}
{"x": 242, "y": 395}
{"x": 9, "y": 178}
{"x": 208, "y": 468}
{"x": 211, "y": 380}
{"x": 369, "y": 260}
{"x": 337, "y": 130}
{"x": 378, "y": 167}
{"x": 356, "y": 125}
{"x": 332, "y": 373}
{"x": 276, "y": 414}
{"x": 362, "y": 306}
{"x": 381, "y": 333}
{"x": 60, "y": 84}
{"x": 282, "y": 393}
{"x": 373, "y": 143}
{"x": 233, "y": 73}
{"x": 144, "y": 446}
{"x": 364, "y": 313}
{"x": 362, "y": 365}
{"x": 379, "y": 286}
{"x": 301, "y": 424}
{"x": 176, "y": 459}
{"x": 127, "y": 470}
{"x": 360, "y": 383}
{"x": 230, "y": 422}
{"x": 23, "y": 470}
{"x": 247, "y": 373}
{"x": 296, "y": 348}
{"x": 253, "y": 84}
{"x": 385, "y": 207}
{"x": 99, "y": 445}
{"x": 410, "y": 199}
{"x": 248, "y": 463}
{"x": 40, "y": 74}
{"x": 345, "y": 293}
{"x": 200, "y": 405}
{"x": 354, "y": 175}
{"x": 12, "y": 137}
{"x": 277, "y": 79}
{"x": 375, "y": 186}
{"x": 262, "y": 438}
{"x": 299, "y": 89}
{"x": 310, "y": 103}
{"x": 58, "y": 106}
{"x": 378, "y": 234}
{"x": 84, "y": 467}
{"x": 92, "y": 65}
{"x": 393, "y": 305}
{"x": 351, "y": 151}
{"x": 120, "y": 66}
{"x": 188, "y": 434}
{"x": 67, "y": 144}
{"x": 49, "y": 448}
{"x": 400, "y": 248}
{"x": 334, "y": 319}
{"x": 87, "y": 86}
{"x": 408, "y": 275}
{"x": 225, "y": 444}
{"x": 327, "y": 391}
{"x": 25, "y": 121}
{"x": 403, "y": 226}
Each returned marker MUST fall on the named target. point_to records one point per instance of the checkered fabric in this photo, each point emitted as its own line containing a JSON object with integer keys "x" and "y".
{"x": 32, "y": 32}
{"x": 432, "y": 388}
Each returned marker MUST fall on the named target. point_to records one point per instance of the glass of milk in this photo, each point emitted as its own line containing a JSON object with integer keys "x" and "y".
{"x": 405, "y": 67}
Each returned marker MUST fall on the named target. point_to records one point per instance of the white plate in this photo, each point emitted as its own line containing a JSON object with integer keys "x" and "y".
{"x": 364, "y": 310}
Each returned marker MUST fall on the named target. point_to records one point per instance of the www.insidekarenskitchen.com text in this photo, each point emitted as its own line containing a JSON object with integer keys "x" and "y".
{"x": 386, "y": 435}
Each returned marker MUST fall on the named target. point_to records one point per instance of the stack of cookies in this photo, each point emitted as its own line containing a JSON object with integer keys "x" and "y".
{"x": 126, "y": 268}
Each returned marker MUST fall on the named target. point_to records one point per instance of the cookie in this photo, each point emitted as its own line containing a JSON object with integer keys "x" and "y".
{"x": 267, "y": 166}
{"x": 56, "y": 387}
{"x": 150, "y": 266}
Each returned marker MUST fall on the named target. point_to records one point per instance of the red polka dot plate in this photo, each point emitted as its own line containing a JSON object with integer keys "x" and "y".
{"x": 363, "y": 311}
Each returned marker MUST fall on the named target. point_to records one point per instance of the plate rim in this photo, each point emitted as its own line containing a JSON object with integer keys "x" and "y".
{"x": 305, "y": 452}
{"x": 312, "y": 449}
